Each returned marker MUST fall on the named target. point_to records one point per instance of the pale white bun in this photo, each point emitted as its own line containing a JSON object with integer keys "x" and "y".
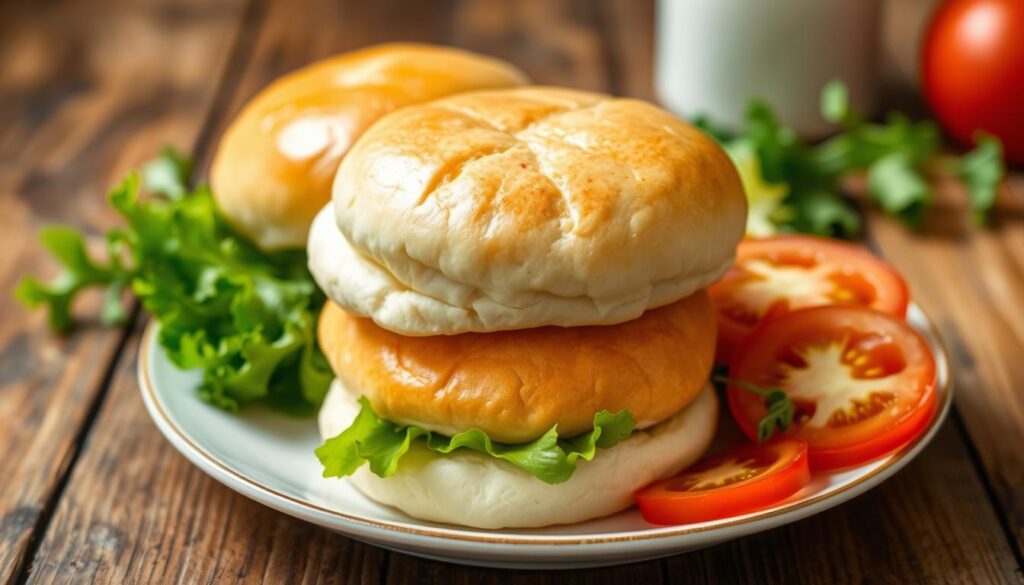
{"x": 518, "y": 208}
{"x": 471, "y": 489}
{"x": 273, "y": 168}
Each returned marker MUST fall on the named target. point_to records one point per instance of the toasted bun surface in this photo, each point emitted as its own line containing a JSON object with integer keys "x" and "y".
{"x": 516, "y": 385}
{"x": 471, "y": 489}
{"x": 273, "y": 169}
{"x": 518, "y": 208}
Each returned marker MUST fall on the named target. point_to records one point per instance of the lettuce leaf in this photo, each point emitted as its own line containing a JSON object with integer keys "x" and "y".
{"x": 245, "y": 317}
{"x": 382, "y": 444}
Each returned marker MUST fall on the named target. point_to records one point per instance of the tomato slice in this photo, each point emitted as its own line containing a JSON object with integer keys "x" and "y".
{"x": 776, "y": 275}
{"x": 732, "y": 483}
{"x": 862, "y": 382}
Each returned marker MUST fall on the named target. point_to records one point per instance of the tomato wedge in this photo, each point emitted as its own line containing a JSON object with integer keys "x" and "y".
{"x": 862, "y": 382}
{"x": 736, "y": 482}
{"x": 773, "y": 276}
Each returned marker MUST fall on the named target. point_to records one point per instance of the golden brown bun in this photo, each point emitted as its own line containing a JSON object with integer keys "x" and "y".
{"x": 273, "y": 169}
{"x": 516, "y": 385}
{"x": 516, "y": 208}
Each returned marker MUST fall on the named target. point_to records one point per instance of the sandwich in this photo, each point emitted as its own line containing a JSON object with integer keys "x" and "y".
{"x": 516, "y": 314}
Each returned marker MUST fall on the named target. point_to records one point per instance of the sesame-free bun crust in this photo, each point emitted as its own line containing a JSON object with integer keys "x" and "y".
{"x": 516, "y": 208}
{"x": 471, "y": 489}
{"x": 273, "y": 168}
{"x": 516, "y": 385}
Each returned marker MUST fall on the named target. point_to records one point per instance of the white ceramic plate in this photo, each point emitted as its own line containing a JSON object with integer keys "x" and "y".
{"x": 269, "y": 458}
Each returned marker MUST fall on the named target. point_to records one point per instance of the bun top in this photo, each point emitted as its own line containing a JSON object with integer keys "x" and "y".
{"x": 524, "y": 207}
{"x": 516, "y": 385}
{"x": 273, "y": 168}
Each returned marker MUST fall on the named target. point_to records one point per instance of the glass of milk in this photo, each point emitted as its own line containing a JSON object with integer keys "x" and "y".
{"x": 713, "y": 56}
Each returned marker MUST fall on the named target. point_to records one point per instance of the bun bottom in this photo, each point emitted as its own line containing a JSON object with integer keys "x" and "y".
{"x": 471, "y": 489}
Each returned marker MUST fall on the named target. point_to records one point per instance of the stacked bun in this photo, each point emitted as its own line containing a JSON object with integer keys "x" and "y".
{"x": 517, "y": 260}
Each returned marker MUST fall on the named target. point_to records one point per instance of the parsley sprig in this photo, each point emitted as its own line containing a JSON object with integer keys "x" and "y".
{"x": 781, "y": 409}
{"x": 793, "y": 185}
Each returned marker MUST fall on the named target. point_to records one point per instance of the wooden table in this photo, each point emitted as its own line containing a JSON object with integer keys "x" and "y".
{"x": 89, "y": 490}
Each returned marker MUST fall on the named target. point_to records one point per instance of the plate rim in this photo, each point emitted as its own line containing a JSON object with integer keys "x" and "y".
{"x": 309, "y": 511}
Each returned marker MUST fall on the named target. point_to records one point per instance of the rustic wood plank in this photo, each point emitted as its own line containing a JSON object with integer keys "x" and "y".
{"x": 87, "y": 91}
{"x": 158, "y": 522}
{"x": 405, "y": 569}
{"x": 971, "y": 280}
{"x": 628, "y": 27}
{"x": 290, "y": 38}
{"x": 137, "y": 512}
{"x": 119, "y": 520}
{"x": 172, "y": 522}
{"x": 555, "y": 43}
{"x": 891, "y": 534}
{"x": 930, "y": 523}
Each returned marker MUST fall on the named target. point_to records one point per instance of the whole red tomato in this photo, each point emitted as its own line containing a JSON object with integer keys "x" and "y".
{"x": 974, "y": 70}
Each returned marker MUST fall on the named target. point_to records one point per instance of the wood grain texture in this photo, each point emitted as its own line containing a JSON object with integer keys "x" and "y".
{"x": 972, "y": 280}
{"x": 404, "y": 569}
{"x": 87, "y": 91}
{"x": 930, "y": 523}
{"x": 629, "y": 31}
{"x": 555, "y": 43}
{"x": 287, "y": 39}
{"x": 133, "y": 510}
{"x": 945, "y": 482}
{"x": 137, "y": 512}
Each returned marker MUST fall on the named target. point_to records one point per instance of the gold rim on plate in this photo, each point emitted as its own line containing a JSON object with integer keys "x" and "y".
{"x": 945, "y": 390}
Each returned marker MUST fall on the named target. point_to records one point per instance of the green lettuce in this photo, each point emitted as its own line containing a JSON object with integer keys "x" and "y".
{"x": 243, "y": 316}
{"x": 382, "y": 444}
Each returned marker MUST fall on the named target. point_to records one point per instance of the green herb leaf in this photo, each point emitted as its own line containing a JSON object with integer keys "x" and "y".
{"x": 781, "y": 409}
{"x": 168, "y": 175}
{"x": 245, "y": 317}
{"x": 893, "y": 153}
{"x": 776, "y": 146}
{"x": 79, "y": 272}
{"x": 820, "y": 211}
{"x": 835, "y": 102}
{"x": 981, "y": 170}
{"x": 780, "y": 414}
{"x": 864, "y": 143}
{"x": 382, "y": 444}
{"x": 709, "y": 127}
{"x": 899, "y": 188}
